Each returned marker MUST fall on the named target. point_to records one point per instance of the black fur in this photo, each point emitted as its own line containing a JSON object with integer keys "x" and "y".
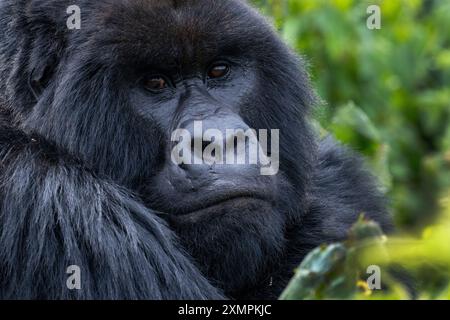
{"x": 74, "y": 159}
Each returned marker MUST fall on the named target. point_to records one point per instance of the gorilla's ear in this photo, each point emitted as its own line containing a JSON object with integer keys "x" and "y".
{"x": 45, "y": 36}
{"x": 41, "y": 73}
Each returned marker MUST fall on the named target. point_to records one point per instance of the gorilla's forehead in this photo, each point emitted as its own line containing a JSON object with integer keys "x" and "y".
{"x": 186, "y": 32}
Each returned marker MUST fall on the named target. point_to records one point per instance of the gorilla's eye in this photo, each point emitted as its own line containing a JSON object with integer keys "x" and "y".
{"x": 218, "y": 70}
{"x": 155, "y": 83}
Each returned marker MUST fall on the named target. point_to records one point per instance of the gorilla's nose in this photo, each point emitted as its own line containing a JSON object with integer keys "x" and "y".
{"x": 213, "y": 158}
{"x": 218, "y": 140}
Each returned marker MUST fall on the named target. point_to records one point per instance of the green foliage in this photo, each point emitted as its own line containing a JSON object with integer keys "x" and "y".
{"x": 388, "y": 90}
{"x": 321, "y": 274}
{"x": 339, "y": 271}
{"x": 388, "y": 97}
{"x": 336, "y": 271}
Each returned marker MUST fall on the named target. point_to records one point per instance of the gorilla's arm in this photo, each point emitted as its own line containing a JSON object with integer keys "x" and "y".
{"x": 55, "y": 213}
{"x": 343, "y": 189}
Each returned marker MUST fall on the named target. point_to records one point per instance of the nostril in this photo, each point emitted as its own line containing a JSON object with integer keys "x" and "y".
{"x": 236, "y": 143}
{"x": 198, "y": 146}
{"x": 205, "y": 144}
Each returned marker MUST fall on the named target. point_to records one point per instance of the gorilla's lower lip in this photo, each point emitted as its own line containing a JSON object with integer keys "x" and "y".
{"x": 221, "y": 201}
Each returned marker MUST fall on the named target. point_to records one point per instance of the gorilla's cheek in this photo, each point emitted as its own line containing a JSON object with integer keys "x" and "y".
{"x": 234, "y": 241}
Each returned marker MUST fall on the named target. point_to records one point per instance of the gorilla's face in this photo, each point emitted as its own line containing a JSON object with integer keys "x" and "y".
{"x": 207, "y": 87}
{"x": 138, "y": 70}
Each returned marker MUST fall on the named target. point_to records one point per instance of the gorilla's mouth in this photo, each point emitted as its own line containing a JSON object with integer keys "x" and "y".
{"x": 216, "y": 204}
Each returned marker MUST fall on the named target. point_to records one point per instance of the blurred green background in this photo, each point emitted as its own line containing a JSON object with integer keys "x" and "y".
{"x": 386, "y": 92}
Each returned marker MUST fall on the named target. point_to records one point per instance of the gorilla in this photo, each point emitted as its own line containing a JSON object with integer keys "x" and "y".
{"x": 86, "y": 177}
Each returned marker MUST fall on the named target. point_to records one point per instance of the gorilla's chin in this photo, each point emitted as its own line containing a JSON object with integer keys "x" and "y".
{"x": 234, "y": 241}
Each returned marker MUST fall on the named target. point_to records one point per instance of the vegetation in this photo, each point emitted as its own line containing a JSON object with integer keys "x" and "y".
{"x": 386, "y": 94}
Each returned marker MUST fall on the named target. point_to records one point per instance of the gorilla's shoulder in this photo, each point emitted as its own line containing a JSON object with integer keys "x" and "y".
{"x": 343, "y": 189}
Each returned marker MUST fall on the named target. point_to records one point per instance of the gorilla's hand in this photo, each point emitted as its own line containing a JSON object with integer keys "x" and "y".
{"x": 63, "y": 215}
